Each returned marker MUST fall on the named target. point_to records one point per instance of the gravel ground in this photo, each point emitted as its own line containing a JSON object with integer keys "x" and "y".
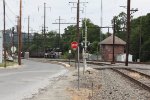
{"x": 101, "y": 84}
{"x": 146, "y": 71}
{"x": 106, "y": 84}
{"x": 116, "y": 87}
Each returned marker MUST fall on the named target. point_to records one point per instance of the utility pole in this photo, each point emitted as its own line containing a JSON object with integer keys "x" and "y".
{"x": 20, "y": 34}
{"x": 44, "y": 30}
{"x": 4, "y": 32}
{"x": 59, "y": 34}
{"x": 128, "y": 31}
{"x": 78, "y": 17}
{"x": 78, "y": 39}
{"x": 140, "y": 39}
{"x": 101, "y": 24}
{"x": 129, "y": 13}
{"x": 101, "y": 20}
{"x": 114, "y": 31}
{"x": 59, "y": 22}
{"x": 78, "y": 36}
{"x": 85, "y": 48}
{"x": 28, "y": 32}
{"x": 44, "y": 27}
{"x": 85, "y": 44}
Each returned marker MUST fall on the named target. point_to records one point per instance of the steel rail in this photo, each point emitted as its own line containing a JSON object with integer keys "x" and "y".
{"x": 144, "y": 86}
{"x": 141, "y": 73}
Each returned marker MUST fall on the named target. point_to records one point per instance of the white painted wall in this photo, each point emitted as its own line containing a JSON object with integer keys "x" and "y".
{"x": 122, "y": 57}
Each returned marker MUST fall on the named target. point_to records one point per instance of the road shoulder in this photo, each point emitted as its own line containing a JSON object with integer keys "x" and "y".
{"x": 57, "y": 89}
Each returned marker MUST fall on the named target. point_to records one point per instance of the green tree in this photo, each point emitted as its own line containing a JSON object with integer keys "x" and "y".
{"x": 38, "y": 44}
{"x": 52, "y": 39}
{"x": 140, "y": 37}
{"x": 93, "y": 35}
{"x": 69, "y": 36}
{"x": 121, "y": 21}
{"x": 93, "y": 31}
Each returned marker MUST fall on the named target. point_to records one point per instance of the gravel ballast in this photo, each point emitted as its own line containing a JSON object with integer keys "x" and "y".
{"x": 103, "y": 84}
{"x": 116, "y": 87}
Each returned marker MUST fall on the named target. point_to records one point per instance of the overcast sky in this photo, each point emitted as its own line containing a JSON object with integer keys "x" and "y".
{"x": 64, "y": 9}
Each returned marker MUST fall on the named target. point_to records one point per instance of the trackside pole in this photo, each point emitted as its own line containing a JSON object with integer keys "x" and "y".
{"x": 78, "y": 69}
{"x": 84, "y": 61}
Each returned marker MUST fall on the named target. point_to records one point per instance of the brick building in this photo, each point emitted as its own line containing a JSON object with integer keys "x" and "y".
{"x": 107, "y": 48}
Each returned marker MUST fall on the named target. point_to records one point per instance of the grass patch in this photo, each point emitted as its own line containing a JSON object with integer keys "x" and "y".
{"x": 8, "y": 63}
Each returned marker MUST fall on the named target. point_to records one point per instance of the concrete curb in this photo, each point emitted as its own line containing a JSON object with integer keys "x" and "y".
{"x": 60, "y": 63}
{"x": 64, "y": 64}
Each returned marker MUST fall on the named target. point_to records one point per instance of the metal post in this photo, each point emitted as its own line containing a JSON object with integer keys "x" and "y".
{"x": 78, "y": 69}
{"x": 69, "y": 60}
{"x": 128, "y": 32}
{"x": 92, "y": 89}
{"x": 13, "y": 40}
{"x": 59, "y": 34}
{"x": 83, "y": 54}
{"x": 4, "y": 32}
{"x": 19, "y": 55}
{"x": 78, "y": 37}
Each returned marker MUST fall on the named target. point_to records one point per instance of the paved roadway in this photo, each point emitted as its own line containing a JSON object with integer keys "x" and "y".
{"x": 16, "y": 84}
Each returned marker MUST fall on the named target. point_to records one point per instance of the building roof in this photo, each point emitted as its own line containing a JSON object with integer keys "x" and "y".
{"x": 109, "y": 40}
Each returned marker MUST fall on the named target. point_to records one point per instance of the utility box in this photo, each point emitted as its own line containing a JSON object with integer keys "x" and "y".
{"x": 26, "y": 55}
{"x": 122, "y": 57}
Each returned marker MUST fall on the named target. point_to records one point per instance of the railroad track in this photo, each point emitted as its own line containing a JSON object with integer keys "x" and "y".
{"x": 141, "y": 79}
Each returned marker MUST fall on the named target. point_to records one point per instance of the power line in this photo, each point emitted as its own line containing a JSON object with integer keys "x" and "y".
{"x": 10, "y": 20}
{"x": 10, "y": 10}
{"x": 59, "y": 28}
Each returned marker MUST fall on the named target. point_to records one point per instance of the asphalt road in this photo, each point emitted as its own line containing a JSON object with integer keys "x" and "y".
{"x": 20, "y": 83}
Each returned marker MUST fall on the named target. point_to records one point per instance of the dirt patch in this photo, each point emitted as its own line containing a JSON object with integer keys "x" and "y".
{"x": 135, "y": 75}
{"x": 89, "y": 85}
{"x": 81, "y": 94}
